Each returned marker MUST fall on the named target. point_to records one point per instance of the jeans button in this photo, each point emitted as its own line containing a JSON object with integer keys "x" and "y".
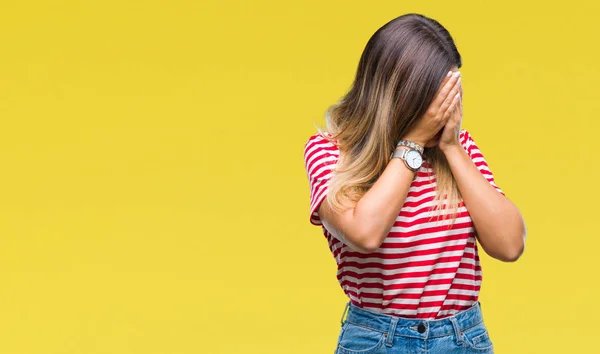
{"x": 421, "y": 328}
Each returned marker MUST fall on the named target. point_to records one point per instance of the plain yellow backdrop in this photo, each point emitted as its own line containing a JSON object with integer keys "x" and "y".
{"x": 153, "y": 197}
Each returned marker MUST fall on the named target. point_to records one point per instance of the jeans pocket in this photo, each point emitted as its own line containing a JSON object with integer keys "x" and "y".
{"x": 357, "y": 339}
{"x": 478, "y": 339}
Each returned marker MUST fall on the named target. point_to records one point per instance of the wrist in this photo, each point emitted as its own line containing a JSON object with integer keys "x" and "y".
{"x": 419, "y": 142}
{"x": 450, "y": 148}
{"x": 411, "y": 144}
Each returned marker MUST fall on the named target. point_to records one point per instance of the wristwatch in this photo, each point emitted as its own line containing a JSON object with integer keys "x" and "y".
{"x": 412, "y": 158}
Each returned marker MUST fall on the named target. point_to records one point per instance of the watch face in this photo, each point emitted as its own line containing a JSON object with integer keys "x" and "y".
{"x": 414, "y": 159}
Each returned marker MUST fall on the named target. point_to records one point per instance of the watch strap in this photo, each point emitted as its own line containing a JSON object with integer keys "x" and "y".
{"x": 400, "y": 153}
{"x": 411, "y": 145}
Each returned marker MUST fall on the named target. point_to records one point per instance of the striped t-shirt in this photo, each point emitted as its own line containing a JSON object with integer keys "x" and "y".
{"x": 423, "y": 269}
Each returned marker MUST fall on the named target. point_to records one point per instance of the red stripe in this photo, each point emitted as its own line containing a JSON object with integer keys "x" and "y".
{"x": 403, "y": 275}
{"x": 406, "y": 254}
{"x": 428, "y": 230}
{"x": 424, "y": 220}
{"x": 407, "y": 265}
{"x": 417, "y": 184}
{"x": 421, "y": 192}
{"x": 426, "y": 241}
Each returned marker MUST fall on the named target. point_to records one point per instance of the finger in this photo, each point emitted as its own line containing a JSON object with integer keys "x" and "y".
{"x": 456, "y": 105}
{"x": 458, "y": 125}
{"x": 446, "y": 88}
{"x": 459, "y": 116}
{"x": 454, "y": 121}
{"x": 457, "y": 112}
{"x": 459, "y": 104}
{"x": 451, "y": 108}
{"x": 449, "y": 99}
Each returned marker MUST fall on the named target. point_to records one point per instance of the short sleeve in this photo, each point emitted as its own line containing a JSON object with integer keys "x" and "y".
{"x": 478, "y": 159}
{"x": 320, "y": 157}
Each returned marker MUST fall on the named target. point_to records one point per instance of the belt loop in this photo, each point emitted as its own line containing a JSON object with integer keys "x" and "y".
{"x": 345, "y": 309}
{"x": 390, "y": 335}
{"x": 457, "y": 331}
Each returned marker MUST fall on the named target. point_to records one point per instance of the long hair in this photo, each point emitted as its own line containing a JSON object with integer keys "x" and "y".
{"x": 399, "y": 73}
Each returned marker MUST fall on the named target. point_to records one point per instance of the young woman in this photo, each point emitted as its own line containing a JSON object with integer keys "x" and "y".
{"x": 401, "y": 193}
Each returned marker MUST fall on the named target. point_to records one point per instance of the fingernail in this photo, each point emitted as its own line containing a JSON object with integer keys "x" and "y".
{"x": 449, "y": 73}
{"x": 457, "y": 74}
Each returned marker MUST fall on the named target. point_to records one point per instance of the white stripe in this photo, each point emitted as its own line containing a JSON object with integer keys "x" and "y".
{"x": 429, "y": 235}
{"x": 401, "y": 312}
{"x": 467, "y": 282}
{"x": 426, "y": 213}
{"x": 463, "y": 292}
{"x": 432, "y": 224}
{"x": 436, "y": 287}
{"x": 457, "y": 302}
{"x": 399, "y": 292}
{"x": 313, "y": 172}
{"x": 399, "y": 281}
{"x": 354, "y": 298}
{"x": 424, "y": 183}
{"x": 469, "y": 261}
{"x": 427, "y": 257}
{"x": 428, "y": 309}
{"x": 432, "y": 298}
{"x": 387, "y": 272}
{"x": 319, "y": 155}
{"x": 423, "y": 247}
{"x": 469, "y": 271}
{"x": 409, "y": 209}
{"x": 419, "y": 198}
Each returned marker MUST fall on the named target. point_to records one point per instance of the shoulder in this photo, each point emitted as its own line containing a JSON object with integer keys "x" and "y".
{"x": 465, "y": 138}
{"x": 320, "y": 154}
{"x": 320, "y": 138}
{"x": 318, "y": 145}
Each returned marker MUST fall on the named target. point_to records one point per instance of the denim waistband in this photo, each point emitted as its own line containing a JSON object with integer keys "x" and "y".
{"x": 409, "y": 327}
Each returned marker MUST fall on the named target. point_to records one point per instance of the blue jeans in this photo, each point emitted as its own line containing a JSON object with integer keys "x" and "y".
{"x": 368, "y": 332}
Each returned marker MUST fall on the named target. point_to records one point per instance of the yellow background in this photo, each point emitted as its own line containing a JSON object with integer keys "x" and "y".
{"x": 153, "y": 197}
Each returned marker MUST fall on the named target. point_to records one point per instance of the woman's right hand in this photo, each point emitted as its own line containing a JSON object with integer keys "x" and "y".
{"x": 438, "y": 112}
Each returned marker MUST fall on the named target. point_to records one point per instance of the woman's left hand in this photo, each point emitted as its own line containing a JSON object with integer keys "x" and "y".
{"x": 451, "y": 130}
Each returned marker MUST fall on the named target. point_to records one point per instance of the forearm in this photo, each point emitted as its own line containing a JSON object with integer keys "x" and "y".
{"x": 498, "y": 222}
{"x": 377, "y": 210}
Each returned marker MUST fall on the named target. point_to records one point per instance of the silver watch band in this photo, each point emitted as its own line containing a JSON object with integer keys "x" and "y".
{"x": 401, "y": 153}
{"x": 411, "y": 145}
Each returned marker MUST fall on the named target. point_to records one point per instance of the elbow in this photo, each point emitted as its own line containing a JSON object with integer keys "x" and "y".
{"x": 513, "y": 255}
{"x": 367, "y": 244}
{"x": 513, "y": 252}
{"x": 515, "y": 243}
{"x": 363, "y": 247}
{"x": 369, "y": 241}
{"x": 370, "y": 247}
